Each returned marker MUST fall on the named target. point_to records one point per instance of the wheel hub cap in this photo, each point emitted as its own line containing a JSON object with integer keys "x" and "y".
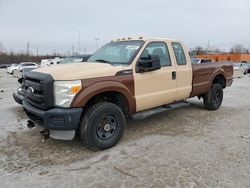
{"x": 106, "y": 127}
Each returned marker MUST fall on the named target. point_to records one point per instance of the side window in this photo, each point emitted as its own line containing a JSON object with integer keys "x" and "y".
{"x": 179, "y": 53}
{"x": 160, "y": 49}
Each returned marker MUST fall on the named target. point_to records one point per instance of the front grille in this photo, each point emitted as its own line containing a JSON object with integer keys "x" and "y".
{"x": 39, "y": 90}
{"x": 33, "y": 80}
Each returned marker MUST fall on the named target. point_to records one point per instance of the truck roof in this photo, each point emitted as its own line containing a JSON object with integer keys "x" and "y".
{"x": 142, "y": 39}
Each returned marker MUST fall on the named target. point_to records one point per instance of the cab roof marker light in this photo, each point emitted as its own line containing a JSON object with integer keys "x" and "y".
{"x": 140, "y": 37}
{"x": 129, "y": 38}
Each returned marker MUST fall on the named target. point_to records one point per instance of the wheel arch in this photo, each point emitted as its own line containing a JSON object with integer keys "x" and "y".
{"x": 111, "y": 91}
{"x": 218, "y": 77}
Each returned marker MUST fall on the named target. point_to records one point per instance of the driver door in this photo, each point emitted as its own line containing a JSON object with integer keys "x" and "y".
{"x": 158, "y": 87}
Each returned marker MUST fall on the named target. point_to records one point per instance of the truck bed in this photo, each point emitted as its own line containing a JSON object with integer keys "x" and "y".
{"x": 204, "y": 75}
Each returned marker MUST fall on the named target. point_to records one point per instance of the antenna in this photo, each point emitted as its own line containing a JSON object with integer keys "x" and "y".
{"x": 28, "y": 48}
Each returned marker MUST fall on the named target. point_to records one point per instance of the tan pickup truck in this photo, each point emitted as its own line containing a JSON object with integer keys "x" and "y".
{"x": 124, "y": 78}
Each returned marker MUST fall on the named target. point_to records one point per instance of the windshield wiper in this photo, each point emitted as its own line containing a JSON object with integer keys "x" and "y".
{"x": 103, "y": 61}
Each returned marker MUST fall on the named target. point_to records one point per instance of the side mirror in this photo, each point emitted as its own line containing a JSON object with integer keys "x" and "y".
{"x": 147, "y": 64}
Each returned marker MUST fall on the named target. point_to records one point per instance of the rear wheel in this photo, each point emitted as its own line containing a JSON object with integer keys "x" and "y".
{"x": 213, "y": 99}
{"x": 102, "y": 126}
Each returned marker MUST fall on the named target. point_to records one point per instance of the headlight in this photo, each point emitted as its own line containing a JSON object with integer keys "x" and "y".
{"x": 64, "y": 92}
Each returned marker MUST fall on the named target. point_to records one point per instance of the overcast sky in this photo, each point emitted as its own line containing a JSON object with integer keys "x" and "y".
{"x": 53, "y": 25}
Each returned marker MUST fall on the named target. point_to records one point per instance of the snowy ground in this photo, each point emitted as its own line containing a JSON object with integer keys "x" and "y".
{"x": 185, "y": 147}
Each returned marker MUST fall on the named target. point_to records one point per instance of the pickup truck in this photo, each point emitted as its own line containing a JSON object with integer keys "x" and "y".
{"x": 123, "y": 78}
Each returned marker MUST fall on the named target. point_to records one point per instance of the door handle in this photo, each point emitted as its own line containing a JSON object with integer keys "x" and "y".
{"x": 173, "y": 75}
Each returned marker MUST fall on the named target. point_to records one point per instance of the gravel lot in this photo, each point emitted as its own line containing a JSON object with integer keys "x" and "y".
{"x": 185, "y": 147}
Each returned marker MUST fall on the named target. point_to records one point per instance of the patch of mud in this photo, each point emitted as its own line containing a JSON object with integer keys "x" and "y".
{"x": 188, "y": 121}
{"x": 25, "y": 150}
{"x": 19, "y": 112}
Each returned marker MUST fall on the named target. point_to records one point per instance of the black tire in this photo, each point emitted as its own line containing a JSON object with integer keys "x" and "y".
{"x": 102, "y": 126}
{"x": 213, "y": 99}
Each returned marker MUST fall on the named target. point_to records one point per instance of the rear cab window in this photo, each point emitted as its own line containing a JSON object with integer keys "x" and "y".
{"x": 179, "y": 53}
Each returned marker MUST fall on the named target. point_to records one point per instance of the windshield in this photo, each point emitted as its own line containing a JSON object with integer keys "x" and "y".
{"x": 117, "y": 52}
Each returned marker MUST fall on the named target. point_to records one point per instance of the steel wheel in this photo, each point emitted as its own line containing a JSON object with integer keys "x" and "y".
{"x": 106, "y": 127}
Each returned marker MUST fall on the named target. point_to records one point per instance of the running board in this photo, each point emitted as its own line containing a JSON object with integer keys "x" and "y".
{"x": 147, "y": 113}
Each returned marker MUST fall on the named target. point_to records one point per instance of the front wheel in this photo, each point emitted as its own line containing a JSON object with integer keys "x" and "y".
{"x": 102, "y": 126}
{"x": 213, "y": 99}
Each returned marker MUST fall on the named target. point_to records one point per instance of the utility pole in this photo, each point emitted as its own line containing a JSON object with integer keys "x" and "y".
{"x": 208, "y": 46}
{"x": 37, "y": 51}
{"x": 96, "y": 42}
{"x": 28, "y": 48}
{"x": 72, "y": 50}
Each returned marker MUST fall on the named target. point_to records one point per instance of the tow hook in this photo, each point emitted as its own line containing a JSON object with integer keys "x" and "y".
{"x": 30, "y": 124}
{"x": 45, "y": 134}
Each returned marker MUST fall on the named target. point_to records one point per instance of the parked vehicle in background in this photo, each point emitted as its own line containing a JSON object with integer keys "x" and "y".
{"x": 44, "y": 62}
{"x": 76, "y": 59}
{"x": 244, "y": 67}
{"x": 248, "y": 67}
{"x": 50, "y": 62}
{"x": 4, "y": 66}
{"x": 11, "y": 68}
{"x": 125, "y": 78}
{"x": 55, "y": 61}
{"x": 199, "y": 61}
{"x": 23, "y": 65}
{"x": 238, "y": 70}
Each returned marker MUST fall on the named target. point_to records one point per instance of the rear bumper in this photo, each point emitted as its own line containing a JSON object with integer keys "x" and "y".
{"x": 229, "y": 82}
{"x": 56, "y": 118}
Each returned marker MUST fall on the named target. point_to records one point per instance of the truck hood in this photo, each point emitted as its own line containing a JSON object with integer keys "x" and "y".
{"x": 79, "y": 71}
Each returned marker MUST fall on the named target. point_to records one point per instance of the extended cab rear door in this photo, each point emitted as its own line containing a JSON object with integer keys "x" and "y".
{"x": 157, "y": 87}
{"x": 183, "y": 71}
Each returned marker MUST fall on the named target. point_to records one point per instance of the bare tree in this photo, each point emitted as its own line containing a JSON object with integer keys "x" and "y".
{"x": 1, "y": 48}
{"x": 217, "y": 50}
{"x": 238, "y": 48}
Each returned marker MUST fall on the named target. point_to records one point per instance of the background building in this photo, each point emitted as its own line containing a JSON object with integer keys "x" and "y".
{"x": 226, "y": 57}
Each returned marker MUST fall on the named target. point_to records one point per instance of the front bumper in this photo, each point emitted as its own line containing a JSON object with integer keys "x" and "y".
{"x": 18, "y": 98}
{"x": 56, "y": 118}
